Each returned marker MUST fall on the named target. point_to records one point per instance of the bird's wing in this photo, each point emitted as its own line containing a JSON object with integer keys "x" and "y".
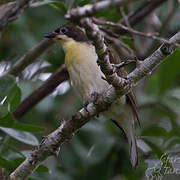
{"x": 130, "y": 97}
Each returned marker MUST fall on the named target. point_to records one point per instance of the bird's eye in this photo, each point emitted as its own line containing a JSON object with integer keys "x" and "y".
{"x": 63, "y": 30}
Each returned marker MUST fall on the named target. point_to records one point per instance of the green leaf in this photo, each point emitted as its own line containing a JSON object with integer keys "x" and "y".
{"x": 172, "y": 142}
{"x": 168, "y": 74}
{"x": 6, "y": 83}
{"x": 7, "y": 121}
{"x": 58, "y": 5}
{"x": 21, "y": 136}
{"x": 69, "y": 3}
{"x": 27, "y": 127}
{"x": 169, "y": 71}
{"x": 84, "y": 2}
{"x": 16, "y": 162}
{"x": 110, "y": 15}
{"x": 172, "y": 103}
{"x": 174, "y": 93}
{"x": 175, "y": 127}
{"x": 3, "y": 111}
{"x": 154, "y": 148}
{"x": 166, "y": 111}
{"x": 155, "y": 131}
{"x": 153, "y": 85}
{"x": 6, "y": 164}
{"x": 12, "y": 148}
{"x": 42, "y": 168}
{"x": 14, "y": 98}
{"x": 11, "y": 165}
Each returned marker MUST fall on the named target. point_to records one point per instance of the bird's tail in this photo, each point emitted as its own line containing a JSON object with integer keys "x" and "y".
{"x": 129, "y": 129}
{"x": 131, "y": 136}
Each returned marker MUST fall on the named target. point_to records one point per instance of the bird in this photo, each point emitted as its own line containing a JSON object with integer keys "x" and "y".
{"x": 86, "y": 77}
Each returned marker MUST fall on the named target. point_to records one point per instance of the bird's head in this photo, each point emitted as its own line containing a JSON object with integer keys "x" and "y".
{"x": 67, "y": 33}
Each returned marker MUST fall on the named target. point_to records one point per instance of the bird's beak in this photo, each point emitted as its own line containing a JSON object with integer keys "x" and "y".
{"x": 50, "y": 35}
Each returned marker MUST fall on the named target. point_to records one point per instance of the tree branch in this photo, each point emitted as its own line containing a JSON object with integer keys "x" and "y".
{"x": 5, "y": 1}
{"x": 139, "y": 14}
{"x": 45, "y": 89}
{"x": 11, "y": 11}
{"x": 53, "y": 141}
{"x": 30, "y": 57}
{"x": 131, "y": 30}
{"x": 93, "y": 8}
{"x": 150, "y": 63}
{"x": 95, "y": 34}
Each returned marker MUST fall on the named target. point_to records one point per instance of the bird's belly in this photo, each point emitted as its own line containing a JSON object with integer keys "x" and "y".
{"x": 86, "y": 77}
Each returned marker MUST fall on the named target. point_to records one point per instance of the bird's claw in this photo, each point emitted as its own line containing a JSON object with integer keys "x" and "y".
{"x": 95, "y": 96}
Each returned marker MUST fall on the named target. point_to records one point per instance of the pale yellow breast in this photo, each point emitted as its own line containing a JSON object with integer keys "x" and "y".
{"x": 84, "y": 72}
{"x": 77, "y": 53}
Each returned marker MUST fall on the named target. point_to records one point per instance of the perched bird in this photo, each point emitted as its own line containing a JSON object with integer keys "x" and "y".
{"x": 86, "y": 76}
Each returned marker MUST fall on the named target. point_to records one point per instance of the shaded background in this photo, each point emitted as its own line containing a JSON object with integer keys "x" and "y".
{"x": 98, "y": 150}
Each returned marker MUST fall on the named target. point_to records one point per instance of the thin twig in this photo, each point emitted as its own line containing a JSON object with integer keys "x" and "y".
{"x": 139, "y": 14}
{"x": 123, "y": 63}
{"x": 126, "y": 21}
{"x": 120, "y": 46}
{"x": 148, "y": 35}
{"x": 169, "y": 17}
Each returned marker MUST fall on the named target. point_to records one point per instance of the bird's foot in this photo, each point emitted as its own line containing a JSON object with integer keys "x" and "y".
{"x": 95, "y": 96}
{"x": 86, "y": 104}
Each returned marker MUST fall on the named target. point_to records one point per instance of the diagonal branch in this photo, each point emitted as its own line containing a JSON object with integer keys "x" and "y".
{"x": 131, "y": 30}
{"x": 11, "y": 11}
{"x": 150, "y": 63}
{"x": 45, "y": 89}
{"x": 5, "y": 1}
{"x": 138, "y": 15}
{"x": 53, "y": 141}
{"x": 30, "y": 57}
{"x": 95, "y": 34}
{"x": 91, "y": 9}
